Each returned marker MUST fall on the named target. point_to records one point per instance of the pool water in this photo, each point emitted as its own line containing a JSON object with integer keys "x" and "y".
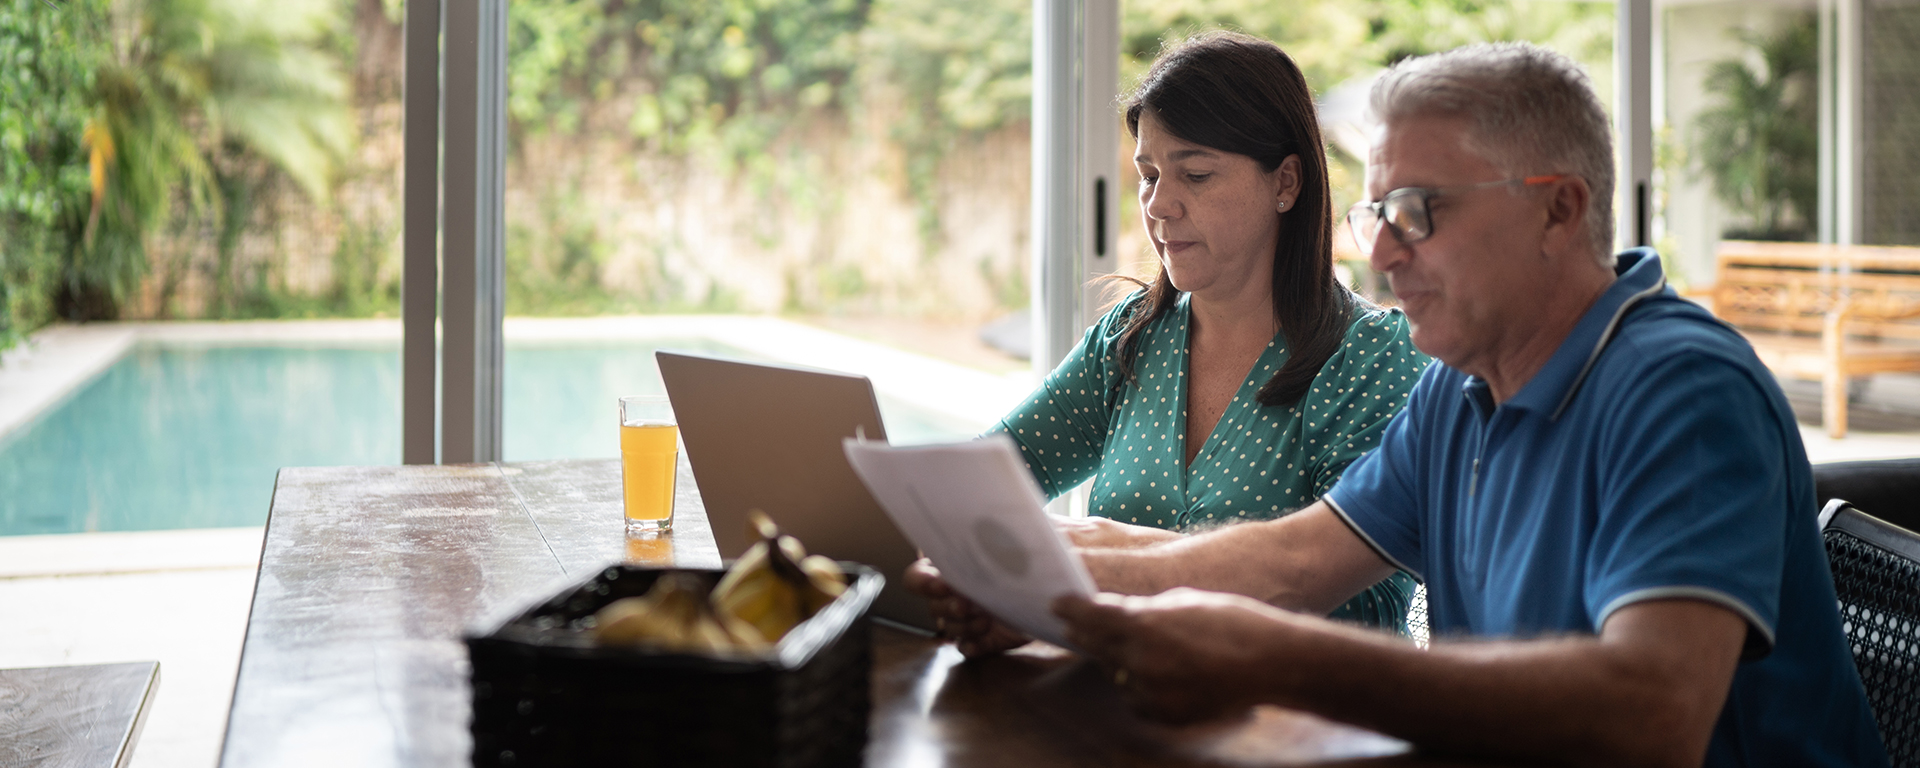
{"x": 191, "y": 437}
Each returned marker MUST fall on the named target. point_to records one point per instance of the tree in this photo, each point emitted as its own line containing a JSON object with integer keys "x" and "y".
{"x": 1760, "y": 145}
{"x": 198, "y": 82}
{"x": 48, "y": 57}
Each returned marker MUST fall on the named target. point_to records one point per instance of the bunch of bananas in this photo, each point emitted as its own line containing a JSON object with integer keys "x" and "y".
{"x": 773, "y": 587}
{"x": 674, "y": 615}
{"x": 776, "y": 584}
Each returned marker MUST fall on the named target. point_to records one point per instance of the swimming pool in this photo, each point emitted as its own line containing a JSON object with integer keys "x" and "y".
{"x": 190, "y": 435}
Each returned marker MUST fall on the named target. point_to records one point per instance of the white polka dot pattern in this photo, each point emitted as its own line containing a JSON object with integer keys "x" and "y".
{"x": 1088, "y": 421}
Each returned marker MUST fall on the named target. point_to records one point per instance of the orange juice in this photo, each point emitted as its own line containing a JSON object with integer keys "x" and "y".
{"x": 650, "y": 549}
{"x": 649, "y": 452}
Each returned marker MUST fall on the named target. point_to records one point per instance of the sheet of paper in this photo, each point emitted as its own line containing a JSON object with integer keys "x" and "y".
{"x": 976, "y": 513}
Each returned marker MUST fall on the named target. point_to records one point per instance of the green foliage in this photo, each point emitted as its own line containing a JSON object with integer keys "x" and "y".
{"x": 1760, "y": 145}
{"x": 730, "y": 79}
{"x": 553, "y": 266}
{"x": 1582, "y": 30}
{"x": 204, "y": 84}
{"x": 1009, "y": 287}
{"x": 964, "y": 70}
{"x": 967, "y": 67}
{"x": 207, "y": 103}
{"x": 48, "y": 57}
{"x": 1329, "y": 41}
{"x": 737, "y": 80}
{"x": 105, "y": 142}
{"x": 359, "y": 289}
{"x": 697, "y": 75}
{"x": 1335, "y": 41}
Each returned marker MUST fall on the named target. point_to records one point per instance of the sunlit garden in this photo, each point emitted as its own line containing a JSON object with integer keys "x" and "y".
{"x": 230, "y": 159}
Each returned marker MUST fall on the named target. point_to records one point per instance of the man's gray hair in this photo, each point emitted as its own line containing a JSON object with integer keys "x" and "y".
{"x": 1532, "y": 112}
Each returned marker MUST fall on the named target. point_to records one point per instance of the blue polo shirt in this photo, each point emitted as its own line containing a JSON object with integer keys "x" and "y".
{"x": 1652, "y": 457}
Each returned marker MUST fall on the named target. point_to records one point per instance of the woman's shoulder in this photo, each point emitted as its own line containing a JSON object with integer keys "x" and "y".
{"x": 1132, "y": 298}
{"x": 1377, "y": 331}
{"x": 1372, "y": 321}
{"x": 1133, "y": 303}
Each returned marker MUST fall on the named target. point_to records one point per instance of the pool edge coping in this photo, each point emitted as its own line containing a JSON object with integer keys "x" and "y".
{"x": 53, "y": 365}
{"x": 56, "y": 362}
{"x": 112, "y": 553}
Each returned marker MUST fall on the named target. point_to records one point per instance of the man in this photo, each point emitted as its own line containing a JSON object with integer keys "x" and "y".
{"x": 1597, "y": 478}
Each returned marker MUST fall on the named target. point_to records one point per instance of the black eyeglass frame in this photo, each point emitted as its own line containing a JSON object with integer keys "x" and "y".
{"x": 1365, "y": 235}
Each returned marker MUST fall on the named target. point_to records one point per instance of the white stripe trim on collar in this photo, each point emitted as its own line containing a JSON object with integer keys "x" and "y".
{"x": 1606, "y": 337}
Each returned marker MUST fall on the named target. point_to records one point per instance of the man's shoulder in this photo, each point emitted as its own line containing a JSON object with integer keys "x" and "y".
{"x": 1674, "y": 357}
{"x": 1669, "y": 330}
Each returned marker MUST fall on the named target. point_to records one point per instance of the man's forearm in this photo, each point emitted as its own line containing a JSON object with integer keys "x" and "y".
{"x": 1243, "y": 559}
{"x": 1581, "y": 699}
{"x": 1156, "y": 569}
{"x": 1308, "y": 562}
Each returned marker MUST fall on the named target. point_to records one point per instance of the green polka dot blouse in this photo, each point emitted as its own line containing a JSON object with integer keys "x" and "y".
{"x": 1088, "y": 421}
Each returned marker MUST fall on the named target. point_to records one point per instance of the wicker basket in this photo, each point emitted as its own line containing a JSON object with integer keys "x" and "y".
{"x": 545, "y": 695}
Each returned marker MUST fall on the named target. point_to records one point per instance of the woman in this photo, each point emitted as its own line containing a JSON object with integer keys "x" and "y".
{"x": 1245, "y": 378}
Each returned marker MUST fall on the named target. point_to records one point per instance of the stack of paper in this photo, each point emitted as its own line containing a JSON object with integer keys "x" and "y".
{"x": 973, "y": 509}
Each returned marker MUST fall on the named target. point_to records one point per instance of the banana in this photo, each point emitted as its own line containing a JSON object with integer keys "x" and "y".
{"x": 772, "y": 587}
{"x": 673, "y": 615}
{"x": 754, "y": 593}
{"x": 825, "y": 581}
{"x": 768, "y": 591}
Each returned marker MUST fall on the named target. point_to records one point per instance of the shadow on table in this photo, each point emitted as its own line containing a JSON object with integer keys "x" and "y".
{"x": 1042, "y": 706}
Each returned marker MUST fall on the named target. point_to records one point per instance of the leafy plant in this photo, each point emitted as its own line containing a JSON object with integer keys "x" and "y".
{"x": 1760, "y": 145}
{"x": 964, "y": 70}
{"x": 697, "y": 75}
{"x": 48, "y": 57}
{"x": 204, "y": 104}
{"x": 1582, "y": 30}
{"x": 199, "y": 82}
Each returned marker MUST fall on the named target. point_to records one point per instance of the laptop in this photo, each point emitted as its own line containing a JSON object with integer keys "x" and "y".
{"x": 768, "y": 437}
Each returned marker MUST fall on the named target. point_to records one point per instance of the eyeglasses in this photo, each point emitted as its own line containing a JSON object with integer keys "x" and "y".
{"x": 1404, "y": 211}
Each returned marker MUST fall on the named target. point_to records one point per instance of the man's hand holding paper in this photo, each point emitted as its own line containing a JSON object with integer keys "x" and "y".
{"x": 973, "y": 510}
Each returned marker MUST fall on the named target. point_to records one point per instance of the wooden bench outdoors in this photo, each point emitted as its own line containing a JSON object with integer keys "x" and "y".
{"x": 1824, "y": 312}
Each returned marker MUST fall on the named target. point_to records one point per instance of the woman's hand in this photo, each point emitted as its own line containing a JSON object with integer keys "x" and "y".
{"x": 975, "y": 631}
{"x": 1102, "y": 533}
{"x": 1183, "y": 655}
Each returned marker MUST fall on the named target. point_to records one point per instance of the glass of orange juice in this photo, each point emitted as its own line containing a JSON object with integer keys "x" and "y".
{"x": 649, "y": 457}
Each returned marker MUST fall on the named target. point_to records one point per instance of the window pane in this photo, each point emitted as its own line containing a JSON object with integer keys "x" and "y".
{"x": 834, "y": 184}
{"x": 1739, "y": 152}
{"x": 172, "y": 161}
{"x": 1891, "y": 162}
{"x": 1341, "y": 48}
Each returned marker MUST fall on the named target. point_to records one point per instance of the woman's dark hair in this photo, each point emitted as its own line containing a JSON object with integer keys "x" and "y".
{"x": 1241, "y": 94}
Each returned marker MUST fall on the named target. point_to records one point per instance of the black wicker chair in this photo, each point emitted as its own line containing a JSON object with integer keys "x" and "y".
{"x": 1417, "y": 617}
{"x": 1876, "y": 573}
{"x": 1888, "y": 487}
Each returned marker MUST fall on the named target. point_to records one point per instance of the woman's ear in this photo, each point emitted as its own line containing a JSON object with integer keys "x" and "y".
{"x": 1287, "y": 184}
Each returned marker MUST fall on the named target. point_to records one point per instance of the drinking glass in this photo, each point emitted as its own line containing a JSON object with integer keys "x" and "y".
{"x": 649, "y": 457}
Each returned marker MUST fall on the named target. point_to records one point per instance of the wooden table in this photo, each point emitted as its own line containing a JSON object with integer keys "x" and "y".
{"x": 84, "y": 716}
{"x": 370, "y": 575}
